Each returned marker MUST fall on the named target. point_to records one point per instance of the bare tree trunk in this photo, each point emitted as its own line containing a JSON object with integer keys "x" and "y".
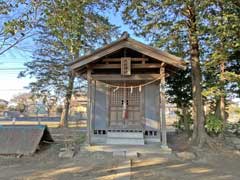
{"x": 48, "y": 111}
{"x": 220, "y": 104}
{"x": 62, "y": 117}
{"x": 222, "y": 99}
{"x": 199, "y": 135}
{"x": 220, "y": 109}
{"x": 185, "y": 120}
{"x": 65, "y": 113}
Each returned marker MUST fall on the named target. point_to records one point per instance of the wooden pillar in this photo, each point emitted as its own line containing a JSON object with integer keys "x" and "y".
{"x": 163, "y": 108}
{"x": 89, "y": 105}
{"x": 93, "y": 105}
{"x": 124, "y": 105}
{"x": 142, "y": 106}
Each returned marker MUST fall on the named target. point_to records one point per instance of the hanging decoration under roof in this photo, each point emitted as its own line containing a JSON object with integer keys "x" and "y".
{"x": 133, "y": 86}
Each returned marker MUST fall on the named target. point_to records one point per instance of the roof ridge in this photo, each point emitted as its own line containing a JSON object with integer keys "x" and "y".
{"x": 126, "y": 42}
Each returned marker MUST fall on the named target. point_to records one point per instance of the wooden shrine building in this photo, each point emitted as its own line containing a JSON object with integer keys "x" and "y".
{"x": 126, "y": 99}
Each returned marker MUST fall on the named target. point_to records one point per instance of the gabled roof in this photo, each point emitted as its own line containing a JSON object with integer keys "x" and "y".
{"x": 127, "y": 42}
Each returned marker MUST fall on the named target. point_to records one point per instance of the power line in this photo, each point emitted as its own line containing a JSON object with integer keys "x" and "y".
{"x": 14, "y": 90}
{"x": 9, "y": 69}
{"x": 2, "y": 90}
{"x": 13, "y": 62}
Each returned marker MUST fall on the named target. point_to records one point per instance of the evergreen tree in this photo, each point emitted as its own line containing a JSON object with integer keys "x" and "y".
{"x": 223, "y": 40}
{"x": 179, "y": 92}
{"x": 161, "y": 21}
{"x": 69, "y": 29}
{"x": 179, "y": 86}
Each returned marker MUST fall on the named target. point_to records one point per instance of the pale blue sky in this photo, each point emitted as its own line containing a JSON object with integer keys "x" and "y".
{"x": 11, "y": 63}
{"x": 14, "y": 59}
{"x": 10, "y": 85}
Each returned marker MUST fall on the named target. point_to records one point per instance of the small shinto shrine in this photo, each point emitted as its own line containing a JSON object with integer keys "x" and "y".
{"x": 126, "y": 95}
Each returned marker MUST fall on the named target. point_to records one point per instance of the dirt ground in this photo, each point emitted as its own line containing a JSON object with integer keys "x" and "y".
{"x": 45, "y": 164}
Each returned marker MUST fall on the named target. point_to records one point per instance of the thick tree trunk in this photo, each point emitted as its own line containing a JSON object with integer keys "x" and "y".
{"x": 62, "y": 117}
{"x": 65, "y": 113}
{"x": 48, "y": 112}
{"x": 220, "y": 104}
{"x": 199, "y": 135}
{"x": 185, "y": 120}
{"x": 220, "y": 109}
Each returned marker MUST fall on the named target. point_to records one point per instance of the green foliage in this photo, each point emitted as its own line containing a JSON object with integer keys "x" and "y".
{"x": 222, "y": 40}
{"x": 21, "y": 107}
{"x": 168, "y": 25}
{"x": 2, "y": 107}
{"x": 18, "y": 18}
{"x": 179, "y": 92}
{"x": 180, "y": 123}
{"x": 179, "y": 89}
{"x": 80, "y": 139}
{"x": 67, "y": 30}
{"x": 12, "y": 108}
{"x": 213, "y": 124}
{"x": 208, "y": 32}
{"x": 78, "y": 25}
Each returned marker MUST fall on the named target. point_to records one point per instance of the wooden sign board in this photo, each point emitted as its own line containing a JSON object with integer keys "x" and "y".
{"x": 126, "y": 66}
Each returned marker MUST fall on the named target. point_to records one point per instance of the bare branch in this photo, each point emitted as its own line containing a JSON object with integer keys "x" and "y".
{"x": 15, "y": 43}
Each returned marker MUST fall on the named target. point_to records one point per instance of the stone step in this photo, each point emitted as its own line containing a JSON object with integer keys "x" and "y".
{"x": 125, "y": 135}
{"x": 125, "y": 141}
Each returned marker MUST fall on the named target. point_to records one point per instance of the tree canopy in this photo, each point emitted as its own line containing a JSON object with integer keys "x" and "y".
{"x": 68, "y": 29}
{"x": 205, "y": 33}
{"x": 18, "y": 21}
{"x": 209, "y": 35}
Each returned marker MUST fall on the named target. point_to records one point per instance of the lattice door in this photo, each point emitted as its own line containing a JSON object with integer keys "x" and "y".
{"x": 130, "y": 117}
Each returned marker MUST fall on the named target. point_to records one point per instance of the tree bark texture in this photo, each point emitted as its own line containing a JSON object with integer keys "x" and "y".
{"x": 65, "y": 113}
{"x": 199, "y": 135}
{"x": 220, "y": 104}
{"x": 185, "y": 120}
{"x": 220, "y": 109}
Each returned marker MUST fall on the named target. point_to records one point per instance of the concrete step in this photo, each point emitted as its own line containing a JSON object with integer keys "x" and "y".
{"x": 126, "y": 138}
{"x": 125, "y": 135}
{"x": 125, "y": 141}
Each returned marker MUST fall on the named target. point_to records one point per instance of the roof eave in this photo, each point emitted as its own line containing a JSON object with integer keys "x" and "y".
{"x": 127, "y": 42}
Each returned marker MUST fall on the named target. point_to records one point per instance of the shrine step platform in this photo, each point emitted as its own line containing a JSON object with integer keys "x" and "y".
{"x": 125, "y": 137}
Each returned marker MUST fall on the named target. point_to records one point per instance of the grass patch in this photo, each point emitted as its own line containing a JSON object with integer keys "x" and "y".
{"x": 80, "y": 139}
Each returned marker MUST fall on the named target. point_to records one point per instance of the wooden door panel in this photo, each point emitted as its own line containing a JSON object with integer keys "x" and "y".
{"x": 132, "y": 99}
{"x": 119, "y": 117}
{"x": 137, "y": 115}
{"x": 130, "y": 116}
{"x": 113, "y": 116}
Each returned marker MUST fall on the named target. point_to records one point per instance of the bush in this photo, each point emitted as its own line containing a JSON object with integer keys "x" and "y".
{"x": 213, "y": 124}
{"x": 80, "y": 139}
{"x": 180, "y": 123}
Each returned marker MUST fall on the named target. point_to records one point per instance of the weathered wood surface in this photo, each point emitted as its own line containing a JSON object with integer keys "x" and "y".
{"x": 89, "y": 106}
{"x": 125, "y": 78}
{"x": 119, "y": 59}
{"x": 134, "y": 45}
{"x": 134, "y": 66}
{"x": 163, "y": 107}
